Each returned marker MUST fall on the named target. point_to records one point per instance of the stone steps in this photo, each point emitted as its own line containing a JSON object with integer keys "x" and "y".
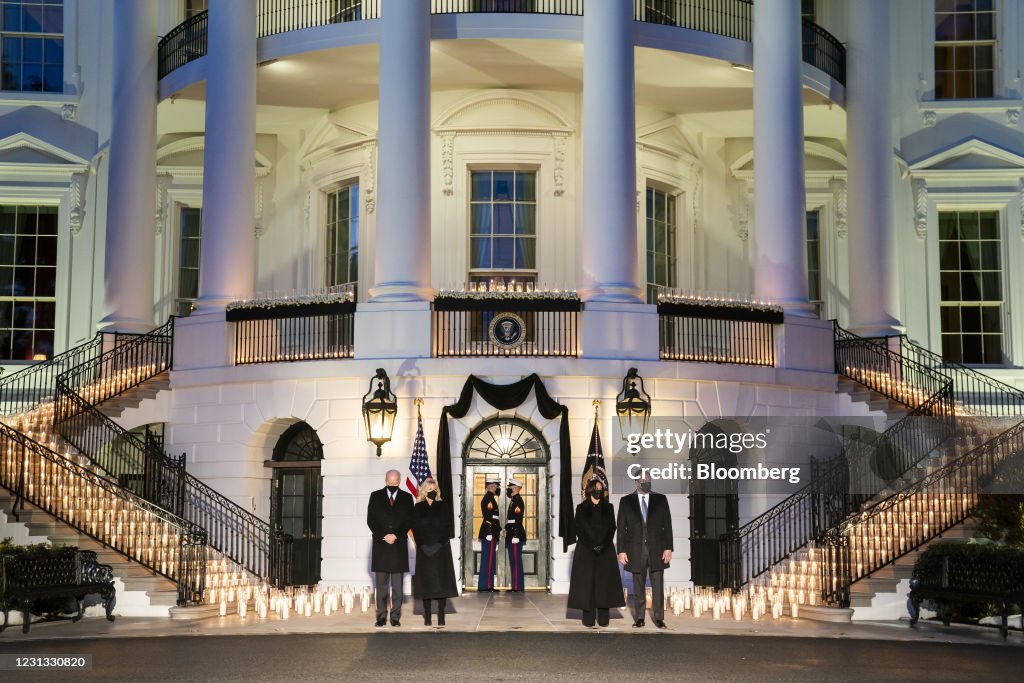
{"x": 140, "y": 592}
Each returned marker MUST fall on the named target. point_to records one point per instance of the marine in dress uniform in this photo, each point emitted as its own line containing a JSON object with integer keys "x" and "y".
{"x": 515, "y": 534}
{"x": 490, "y": 532}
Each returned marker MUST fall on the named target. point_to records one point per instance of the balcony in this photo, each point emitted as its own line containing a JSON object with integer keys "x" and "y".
{"x": 317, "y": 327}
{"x": 728, "y": 18}
{"x": 506, "y": 324}
{"x": 722, "y": 330}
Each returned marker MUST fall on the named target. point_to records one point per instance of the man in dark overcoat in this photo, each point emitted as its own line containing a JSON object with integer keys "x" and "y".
{"x": 645, "y": 547}
{"x": 389, "y": 516}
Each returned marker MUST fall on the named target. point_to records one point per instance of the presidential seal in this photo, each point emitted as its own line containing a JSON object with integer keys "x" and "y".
{"x": 507, "y": 331}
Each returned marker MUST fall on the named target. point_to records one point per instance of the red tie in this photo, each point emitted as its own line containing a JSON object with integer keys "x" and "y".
{"x": 391, "y": 500}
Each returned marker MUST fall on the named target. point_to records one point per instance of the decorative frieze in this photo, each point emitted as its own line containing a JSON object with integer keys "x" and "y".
{"x": 76, "y": 201}
{"x": 369, "y": 179}
{"x": 921, "y": 207}
{"x": 448, "y": 162}
{"x": 559, "y": 140}
{"x": 839, "y": 205}
{"x": 163, "y": 209}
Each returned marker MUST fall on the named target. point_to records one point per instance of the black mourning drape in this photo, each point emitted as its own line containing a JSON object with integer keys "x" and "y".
{"x": 506, "y": 397}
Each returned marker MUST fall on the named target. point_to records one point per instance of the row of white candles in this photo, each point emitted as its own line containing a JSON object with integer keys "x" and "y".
{"x": 302, "y": 601}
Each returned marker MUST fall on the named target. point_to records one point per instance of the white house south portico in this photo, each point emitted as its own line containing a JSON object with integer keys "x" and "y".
{"x": 364, "y": 216}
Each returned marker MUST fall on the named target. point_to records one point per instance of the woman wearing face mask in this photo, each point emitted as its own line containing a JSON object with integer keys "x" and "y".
{"x": 435, "y": 571}
{"x": 594, "y": 584}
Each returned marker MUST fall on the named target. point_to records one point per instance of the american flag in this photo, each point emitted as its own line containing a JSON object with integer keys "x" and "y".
{"x": 419, "y": 466}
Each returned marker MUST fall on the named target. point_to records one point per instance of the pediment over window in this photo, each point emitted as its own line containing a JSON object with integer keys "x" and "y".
{"x": 332, "y": 136}
{"x": 503, "y": 110}
{"x": 27, "y": 153}
{"x": 184, "y": 157}
{"x": 819, "y": 160}
{"x": 974, "y": 154}
{"x": 666, "y": 138}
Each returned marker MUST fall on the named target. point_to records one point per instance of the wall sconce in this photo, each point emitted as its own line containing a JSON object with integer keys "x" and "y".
{"x": 632, "y": 405}
{"x": 380, "y": 406}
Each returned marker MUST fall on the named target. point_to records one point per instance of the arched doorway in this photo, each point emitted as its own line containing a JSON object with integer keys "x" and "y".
{"x": 507, "y": 448}
{"x": 296, "y": 498}
{"x": 714, "y": 509}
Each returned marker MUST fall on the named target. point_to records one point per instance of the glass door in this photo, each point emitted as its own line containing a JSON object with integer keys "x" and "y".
{"x": 297, "y": 509}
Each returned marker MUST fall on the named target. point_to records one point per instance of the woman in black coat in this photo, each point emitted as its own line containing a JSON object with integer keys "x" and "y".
{"x": 435, "y": 571}
{"x": 595, "y": 585}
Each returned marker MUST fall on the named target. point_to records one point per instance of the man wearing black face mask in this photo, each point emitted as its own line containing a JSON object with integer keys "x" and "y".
{"x": 490, "y": 532}
{"x": 389, "y": 516}
{"x": 645, "y": 546}
{"x": 515, "y": 534}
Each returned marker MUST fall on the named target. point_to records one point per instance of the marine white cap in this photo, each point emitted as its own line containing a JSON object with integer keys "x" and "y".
{"x": 492, "y": 480}
{"x": 515, "y": 482}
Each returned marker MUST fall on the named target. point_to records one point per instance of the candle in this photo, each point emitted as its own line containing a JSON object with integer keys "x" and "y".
{"x": 223, "y": 608}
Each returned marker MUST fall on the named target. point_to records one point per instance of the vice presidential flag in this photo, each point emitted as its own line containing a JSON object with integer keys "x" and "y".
{"x": 419, "y": 467}
{"x": 594, "y": 467}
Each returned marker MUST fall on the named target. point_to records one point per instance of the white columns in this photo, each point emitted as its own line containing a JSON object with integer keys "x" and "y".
{"x": 780, "y": 270}
{"x": 608, "y": 239}
{"x": 131, "y": 207}
{"x": 229, "y": 171}
{"x": 402, "y": 249}
{"x": 869, "y": 169}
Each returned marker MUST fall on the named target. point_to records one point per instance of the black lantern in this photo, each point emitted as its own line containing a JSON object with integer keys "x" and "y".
{"x": 380, "y": 406}
{"x": 632, "y": 405}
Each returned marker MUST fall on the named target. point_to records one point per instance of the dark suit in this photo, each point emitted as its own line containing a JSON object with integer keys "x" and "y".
{"x": 389, "y": 560}
{"x": 644, "y": 542}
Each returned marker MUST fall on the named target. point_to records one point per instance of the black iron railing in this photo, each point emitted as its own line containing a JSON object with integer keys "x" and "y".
{"x": 84, "y": 500}
{"x": 910, "y": 518}
{"x": 30, "y": 386}
{"x": 897, "y": 376}
{"x": 185, "y": 42}
{"x": 729, "y": 18}
{"x": 147, "y": 470}
{"x": 717, "y": 334}
{"x": 570, "y": 7}
{"x": 975, "y": 391}
{"x": 292, "y": 333}
{"x": 506, "y": 327}
{"x": 839, "y": 487}
{"x": 824, "y": 51}
{"x": 280, "y": 16}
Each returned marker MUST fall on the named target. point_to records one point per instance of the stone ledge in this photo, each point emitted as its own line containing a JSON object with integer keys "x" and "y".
{"x": 833, "y": 615}
{"x": 197, "y": 612}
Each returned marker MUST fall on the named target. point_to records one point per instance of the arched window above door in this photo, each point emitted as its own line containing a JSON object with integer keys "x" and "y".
{"x": 508, "y": 439}
{"x": 298, "y": 443}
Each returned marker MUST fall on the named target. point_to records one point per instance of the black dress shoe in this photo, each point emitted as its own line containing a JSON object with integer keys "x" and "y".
{"x": 639, "y": 623}
{"x": 396, "y": 622}
{"x": 380, "y": 622}
{"x": 659, "y": 623}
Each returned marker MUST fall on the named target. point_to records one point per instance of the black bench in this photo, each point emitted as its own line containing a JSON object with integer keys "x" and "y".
{"x": 958, "y": 579}
{"x": 69, "y": 573}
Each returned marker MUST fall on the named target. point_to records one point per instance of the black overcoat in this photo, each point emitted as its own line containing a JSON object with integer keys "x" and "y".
{"x": 435, "y": 571}
{"x": 632, "y": 531}
{"x": 594, "y": 581}
{"x": 383, "y": 519}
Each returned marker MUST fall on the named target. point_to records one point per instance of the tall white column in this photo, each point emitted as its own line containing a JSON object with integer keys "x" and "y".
{"x": 402, "y": 251}
{"x": 869, "y": 171}
{"x": 131, "y": 206}
{"x": 608, "y": 242}
{"x": 229, "y": 171}
{"x": 779, "y": 195}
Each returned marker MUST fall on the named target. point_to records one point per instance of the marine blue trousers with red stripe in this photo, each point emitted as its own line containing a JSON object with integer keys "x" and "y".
{"x": 488, "y": 565}
{"x": 515, "y": 564}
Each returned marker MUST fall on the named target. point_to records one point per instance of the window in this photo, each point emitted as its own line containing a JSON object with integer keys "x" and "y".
{"x": 28, "y": 281}
{"x": 194, "y": 7}
{"x": 342, "y": 247}
{"x": 504, "y": 5}
{"x": 188, "y": 259}
{"x": 970, "y": 281}
{"x": 661, "y": 242}
{"x": 503, "y": 226}
{"x": 347, "y": 10}
{"x": 814, "y": 286}
{"x": 32, "y": 54}
{"x": 965, "y": 48}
